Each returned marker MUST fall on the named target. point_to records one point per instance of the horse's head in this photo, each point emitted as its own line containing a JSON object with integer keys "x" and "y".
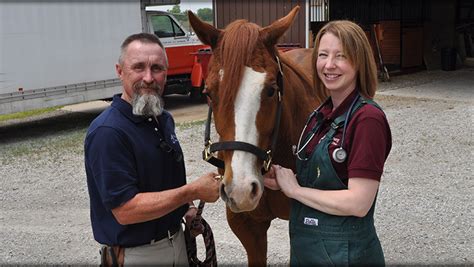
{"x": 243, "y": 86}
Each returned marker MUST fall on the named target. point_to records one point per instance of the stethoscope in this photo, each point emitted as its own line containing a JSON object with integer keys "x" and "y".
{"x": 339, "y": 154}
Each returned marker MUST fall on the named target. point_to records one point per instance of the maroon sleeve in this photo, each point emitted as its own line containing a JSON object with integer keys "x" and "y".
{"x": 370, "y": 144}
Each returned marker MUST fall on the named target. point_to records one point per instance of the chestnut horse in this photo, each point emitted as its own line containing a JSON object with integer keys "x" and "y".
{"x": 253, "y": 89}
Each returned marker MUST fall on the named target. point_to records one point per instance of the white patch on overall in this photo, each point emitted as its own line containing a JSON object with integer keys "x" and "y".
{"x": 247, "y": 104}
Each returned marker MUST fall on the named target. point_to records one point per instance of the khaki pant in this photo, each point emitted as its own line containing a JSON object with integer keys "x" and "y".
{"x": 165, "y": 252}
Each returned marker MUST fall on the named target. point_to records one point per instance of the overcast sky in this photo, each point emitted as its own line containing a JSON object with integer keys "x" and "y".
{"x": 193, "y": 5}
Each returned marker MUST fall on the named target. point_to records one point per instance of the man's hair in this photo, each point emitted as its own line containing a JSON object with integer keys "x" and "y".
{"x": 357, "y": 48}
{"x": 146, "y": 38}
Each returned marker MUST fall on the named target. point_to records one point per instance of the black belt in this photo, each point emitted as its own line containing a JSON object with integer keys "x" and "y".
{"x": 167, "y": 234}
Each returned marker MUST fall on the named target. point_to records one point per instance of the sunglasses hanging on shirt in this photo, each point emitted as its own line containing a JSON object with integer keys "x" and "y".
{"x": 177, "y": 156}
{"x": 167, "y": 148}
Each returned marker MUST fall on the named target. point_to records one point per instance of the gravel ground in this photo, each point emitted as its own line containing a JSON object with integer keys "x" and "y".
{"x": 424, "y": 210}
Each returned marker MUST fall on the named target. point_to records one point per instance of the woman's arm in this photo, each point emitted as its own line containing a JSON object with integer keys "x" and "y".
{"x": 354, "y": 201}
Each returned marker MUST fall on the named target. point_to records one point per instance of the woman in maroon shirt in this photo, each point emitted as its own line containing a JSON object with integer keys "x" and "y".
{"x": 340, "y": 157}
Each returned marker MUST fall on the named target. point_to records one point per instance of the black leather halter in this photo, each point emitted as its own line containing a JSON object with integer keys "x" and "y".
{"x": 210, "y": 148}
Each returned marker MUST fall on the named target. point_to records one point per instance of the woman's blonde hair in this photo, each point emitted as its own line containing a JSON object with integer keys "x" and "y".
{"x": 358, "y": 51}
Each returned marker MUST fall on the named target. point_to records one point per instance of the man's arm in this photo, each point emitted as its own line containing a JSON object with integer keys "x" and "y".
{"x": 152, "y": 205}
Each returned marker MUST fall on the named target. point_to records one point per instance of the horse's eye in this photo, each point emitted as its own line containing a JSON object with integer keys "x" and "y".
{"x": 271, "y": 90}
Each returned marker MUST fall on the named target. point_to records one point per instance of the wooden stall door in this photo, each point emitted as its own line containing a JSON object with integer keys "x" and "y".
{"x": 412, "y": 47}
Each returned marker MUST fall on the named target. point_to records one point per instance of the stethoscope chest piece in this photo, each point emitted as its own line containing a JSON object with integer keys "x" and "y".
{"x": 339, "y": 155}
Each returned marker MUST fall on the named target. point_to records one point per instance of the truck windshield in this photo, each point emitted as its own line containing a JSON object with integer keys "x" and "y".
{"x": 164, "y": 26}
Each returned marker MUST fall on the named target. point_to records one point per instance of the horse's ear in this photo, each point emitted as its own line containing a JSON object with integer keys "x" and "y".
{"x": 274, "y": 31}
{"x": 205, "y": 32}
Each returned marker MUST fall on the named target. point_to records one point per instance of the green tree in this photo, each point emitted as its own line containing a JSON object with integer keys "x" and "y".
{"x": 181, "y": 16}
{"x": 175, "y": 10}
{"x": 205, "y": 14}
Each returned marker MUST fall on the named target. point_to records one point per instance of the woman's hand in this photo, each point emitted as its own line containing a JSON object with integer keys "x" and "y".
{"x": 286, "y": 180}
{"x": 269, "y": 179}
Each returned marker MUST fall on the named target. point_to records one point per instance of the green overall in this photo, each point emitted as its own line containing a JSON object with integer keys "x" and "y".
{"x": 318, "y": 238}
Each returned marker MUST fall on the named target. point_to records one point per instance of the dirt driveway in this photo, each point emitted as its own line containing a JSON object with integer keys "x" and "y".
{"x": 425, "y": 207}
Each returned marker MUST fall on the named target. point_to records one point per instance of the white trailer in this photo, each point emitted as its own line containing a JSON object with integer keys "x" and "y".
{"x": 63, "y": 52}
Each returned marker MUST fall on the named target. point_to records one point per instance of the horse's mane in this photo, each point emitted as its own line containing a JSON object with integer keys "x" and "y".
{"x": 236, "y": 49}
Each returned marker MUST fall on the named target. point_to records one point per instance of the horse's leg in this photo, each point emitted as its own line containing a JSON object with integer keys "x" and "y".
{"x": 252, "y": 234}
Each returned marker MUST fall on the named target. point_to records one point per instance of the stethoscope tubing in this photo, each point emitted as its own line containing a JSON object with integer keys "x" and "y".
{"x": 300, "y": 148}
{"x": 314, "y": 113}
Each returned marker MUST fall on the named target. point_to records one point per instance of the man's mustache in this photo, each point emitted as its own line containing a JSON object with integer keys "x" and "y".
{"x": 141, "y": 85}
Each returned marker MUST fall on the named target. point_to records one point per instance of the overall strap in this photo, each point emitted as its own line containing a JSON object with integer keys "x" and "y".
{"x": 339, "y": 121}
{"x": 372, "y": 102}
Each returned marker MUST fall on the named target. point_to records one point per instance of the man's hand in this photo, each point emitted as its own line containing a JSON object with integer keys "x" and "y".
{"x": 207, "y": 187}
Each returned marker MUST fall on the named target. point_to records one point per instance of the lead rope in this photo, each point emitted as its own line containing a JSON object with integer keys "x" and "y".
{"x": 200, "y": 226}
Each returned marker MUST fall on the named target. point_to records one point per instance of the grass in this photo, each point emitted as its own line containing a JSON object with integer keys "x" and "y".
{"x": 189, "y": 124}
{"x": 29, "y": 113}
{"x": 53, "y": 139}
{"x": 49, "y": 146}
{"x": 55, "y": 142}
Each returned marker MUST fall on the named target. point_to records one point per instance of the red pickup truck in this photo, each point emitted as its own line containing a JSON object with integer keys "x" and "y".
{"x": 187, "y": 56}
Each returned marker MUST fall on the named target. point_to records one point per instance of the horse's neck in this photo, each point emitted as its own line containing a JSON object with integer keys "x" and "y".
{"x": 298, "y": 102}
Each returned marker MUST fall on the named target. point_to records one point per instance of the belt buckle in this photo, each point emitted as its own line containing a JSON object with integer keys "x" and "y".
{"x": 170, "y": 235}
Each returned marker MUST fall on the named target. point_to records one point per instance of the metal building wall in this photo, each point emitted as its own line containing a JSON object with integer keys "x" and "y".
{"x": 263, "y": 13}
{"x": 61, "y": 33}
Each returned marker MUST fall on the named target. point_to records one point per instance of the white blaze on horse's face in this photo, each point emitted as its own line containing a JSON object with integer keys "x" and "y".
{"x": 247, "y": 183}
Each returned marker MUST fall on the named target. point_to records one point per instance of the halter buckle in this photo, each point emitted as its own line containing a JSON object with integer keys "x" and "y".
{"x": 207, "y": 151}
{"x": 268, "y": 162}
{"x": 279, "y": 65}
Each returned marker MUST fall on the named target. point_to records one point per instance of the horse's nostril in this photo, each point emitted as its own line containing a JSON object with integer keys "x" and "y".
{"x": 254, "y": 191}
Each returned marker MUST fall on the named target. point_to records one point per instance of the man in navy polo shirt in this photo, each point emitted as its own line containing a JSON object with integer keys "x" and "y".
{"x": 135, "y": 168}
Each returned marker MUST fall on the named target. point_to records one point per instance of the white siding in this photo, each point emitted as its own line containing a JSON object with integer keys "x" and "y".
{"x": 58, "y": 43}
